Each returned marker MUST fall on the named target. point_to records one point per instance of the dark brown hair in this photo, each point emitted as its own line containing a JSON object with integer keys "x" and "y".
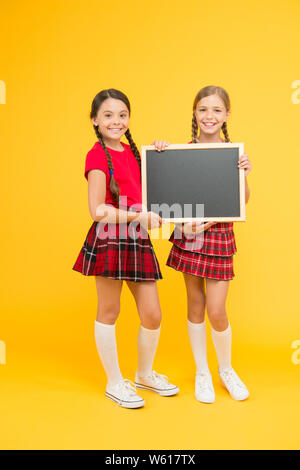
{"x": 207, "y": 91}
{"x": 97, "y": 102}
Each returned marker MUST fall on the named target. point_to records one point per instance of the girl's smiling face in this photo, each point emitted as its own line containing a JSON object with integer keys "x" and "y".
{"x": 112, "y": 119}
{"x": 210, "y": 114}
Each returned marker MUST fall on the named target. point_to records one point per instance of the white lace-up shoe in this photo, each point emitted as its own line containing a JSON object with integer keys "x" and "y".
{"x": 234, "y": 385}
{"x": 124, "y": 394}
{"x": 204, "y": 390}
{"x": 156, "y": 383}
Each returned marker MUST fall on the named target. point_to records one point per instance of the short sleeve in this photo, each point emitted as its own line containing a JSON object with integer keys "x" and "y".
{"x": 95, "y": 160}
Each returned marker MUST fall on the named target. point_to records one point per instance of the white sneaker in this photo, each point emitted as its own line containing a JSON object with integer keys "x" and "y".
{"x": 204, "y": 390}
{"x": 234, "y": 385}
{"x": 124, "y": 394}
{"x": 156, "y": 383}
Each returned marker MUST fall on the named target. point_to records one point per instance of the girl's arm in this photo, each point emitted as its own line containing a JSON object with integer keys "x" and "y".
{"x": 96, "y": 191}
{"x": 189, "y": 228}
{"x": 247, "y": 191}
{"x": 245, "y": 164}
{"x": 107, "y": 214}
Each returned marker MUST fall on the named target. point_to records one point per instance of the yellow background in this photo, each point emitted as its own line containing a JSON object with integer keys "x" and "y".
{"x": 55, "y": 57}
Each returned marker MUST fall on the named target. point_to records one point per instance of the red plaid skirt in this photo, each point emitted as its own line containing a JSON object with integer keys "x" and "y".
{"x": 208, "y": 254}
{"x": 119, "y": 257}
{"x": 198, "y": 264}
{"x": 218, "y": 240}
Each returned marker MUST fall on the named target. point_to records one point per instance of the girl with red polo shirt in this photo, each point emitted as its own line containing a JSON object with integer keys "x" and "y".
{"x": 117, "y": 248}
{"x": 211, "y": 259}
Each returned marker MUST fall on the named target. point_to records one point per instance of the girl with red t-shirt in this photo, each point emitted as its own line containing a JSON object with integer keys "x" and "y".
{"x": 117, "y": 248}
{"x": 211, "y": 259}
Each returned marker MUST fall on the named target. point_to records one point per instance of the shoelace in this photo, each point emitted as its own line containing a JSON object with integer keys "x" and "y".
{"x": 159, "y": 378}
{"x": 231, "y": 379}
{"x": 127, "y": 388}
{"x": 203, "y": 380}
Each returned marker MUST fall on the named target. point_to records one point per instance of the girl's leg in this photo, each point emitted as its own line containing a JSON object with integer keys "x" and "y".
{"x": 147, "y": 301}
{"x": 109, "y": 292}
{"x": 204, "y": 390}
{"x": 216, "y": 294}
{"x": 195, "y": 321}
{"x": 195, "y": 298}
{"x": 117, "y": 389}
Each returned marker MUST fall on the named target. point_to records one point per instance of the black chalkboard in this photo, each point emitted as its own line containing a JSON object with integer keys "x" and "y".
{"x": 184, "y": 176}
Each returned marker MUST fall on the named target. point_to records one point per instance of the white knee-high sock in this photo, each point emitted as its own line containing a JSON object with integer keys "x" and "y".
{"x": 107, "y": 348}
{"x": 222, "y": 342}
{"x": 147, "y": 345}
{"x": 197, "y": 335}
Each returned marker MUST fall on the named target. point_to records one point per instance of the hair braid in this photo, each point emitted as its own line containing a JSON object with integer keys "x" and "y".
{"x": 225, "y": 131}
{"x": 133, "y": 147}
{"x": 194, "y": 129}
{"x": 114, "y": 187}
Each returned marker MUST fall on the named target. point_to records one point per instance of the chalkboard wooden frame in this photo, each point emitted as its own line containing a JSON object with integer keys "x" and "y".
{"x": 188, "y": 147}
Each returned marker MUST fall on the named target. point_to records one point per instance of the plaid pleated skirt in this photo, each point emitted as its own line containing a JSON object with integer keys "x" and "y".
{"x": 130, "y": 258}
{"x": 208, "y": 255}
{"x": 211, "y": 267}
{"x": 218, "y": 240}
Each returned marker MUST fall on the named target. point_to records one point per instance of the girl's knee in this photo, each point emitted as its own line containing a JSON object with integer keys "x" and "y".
{"x": 196, "y": 310}
{"x": 152, "y": 318}
{"x": 218, "y": 318}
{"x": 196, "y": 317}
{"x": 108, "y": 313}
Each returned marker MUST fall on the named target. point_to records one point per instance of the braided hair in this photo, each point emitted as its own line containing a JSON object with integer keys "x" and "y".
{"x": 194, "y": 129}
{"x": 133, "y": 147}
{"x": 225, "y": 132}
{"x": 207, "y": 91}
{"x": 97, "y": 102}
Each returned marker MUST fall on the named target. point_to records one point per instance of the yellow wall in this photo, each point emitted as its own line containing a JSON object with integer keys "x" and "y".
{"x": 55, "y": 56}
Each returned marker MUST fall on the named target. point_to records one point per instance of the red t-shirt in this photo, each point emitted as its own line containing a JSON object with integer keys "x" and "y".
{"x": 126, "y": 173}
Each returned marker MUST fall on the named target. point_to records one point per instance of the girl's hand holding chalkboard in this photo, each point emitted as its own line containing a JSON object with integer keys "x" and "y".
{"x": 245, "y": 164}
{"x": 149, "y": 220}
{"x": 190, "y": 228}
{"x": 160, "y": 145}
